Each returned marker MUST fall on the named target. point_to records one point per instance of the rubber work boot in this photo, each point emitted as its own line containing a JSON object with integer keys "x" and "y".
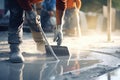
{"x": 15, "y": 54}
{"x": 39, "y": 40}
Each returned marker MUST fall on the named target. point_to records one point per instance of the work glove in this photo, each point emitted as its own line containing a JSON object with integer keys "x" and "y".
{"x": 58, "y": 35}
{"x": 31, "y": 16}
{"x": 33, "y": 19}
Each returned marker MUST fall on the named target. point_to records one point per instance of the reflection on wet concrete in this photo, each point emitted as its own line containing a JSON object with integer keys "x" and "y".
{"x": 41, "y": 70}
{"x": 113, "y": 75}
{"x": 11, "y": 71}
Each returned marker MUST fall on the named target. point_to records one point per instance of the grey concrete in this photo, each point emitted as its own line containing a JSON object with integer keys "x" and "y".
{"x": 90, "y": 57}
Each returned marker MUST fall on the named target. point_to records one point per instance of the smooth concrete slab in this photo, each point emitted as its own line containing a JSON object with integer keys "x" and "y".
{"x": 111, "y": 75}
{"x": 83, "y": 63}
{"x": 38, "y": 69}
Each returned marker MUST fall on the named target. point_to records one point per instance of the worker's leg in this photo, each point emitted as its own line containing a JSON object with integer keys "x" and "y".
{"x": 73, "y": 27}
{"x": 36, "y": 33}
{"x": 15, "y": 31}
{"x": 39, "y": 40}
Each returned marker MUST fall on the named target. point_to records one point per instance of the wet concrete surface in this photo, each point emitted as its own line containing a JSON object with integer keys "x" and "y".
{"x": 46, "y": 70}
{"x": 112, "y": 75}
{"x": 87, "y": 60}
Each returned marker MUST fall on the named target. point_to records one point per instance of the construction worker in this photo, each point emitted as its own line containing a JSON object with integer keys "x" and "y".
{"x": 71, "y": 25}
{"x": 17, "y": 8}
{"x": 60, "y": 11}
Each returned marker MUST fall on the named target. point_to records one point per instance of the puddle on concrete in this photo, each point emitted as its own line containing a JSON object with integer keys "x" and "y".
{"x": 113, "y": 75}
{"x": 42, "y": 70}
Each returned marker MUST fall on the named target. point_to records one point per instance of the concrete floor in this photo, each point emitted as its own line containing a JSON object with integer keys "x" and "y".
{"x": 89, "y": 58}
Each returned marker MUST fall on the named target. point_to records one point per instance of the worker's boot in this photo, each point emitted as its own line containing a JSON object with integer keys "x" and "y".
{"x": 15, "y": 54}
{"x": 40, "y": 43}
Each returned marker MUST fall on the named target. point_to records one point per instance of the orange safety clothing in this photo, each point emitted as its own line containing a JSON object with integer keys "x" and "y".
{"x": 73, "y": 4}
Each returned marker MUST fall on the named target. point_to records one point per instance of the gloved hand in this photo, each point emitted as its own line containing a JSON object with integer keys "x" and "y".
{"x": 31, "y": 16}
{"x": 58, "y": 35}
{"x": 33, "y": 19}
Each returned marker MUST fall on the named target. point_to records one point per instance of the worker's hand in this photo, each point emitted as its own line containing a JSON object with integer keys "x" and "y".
{"x": 58, "y": 35}
{"x": 31, "y": 16}
{"x": 33, "y": 19}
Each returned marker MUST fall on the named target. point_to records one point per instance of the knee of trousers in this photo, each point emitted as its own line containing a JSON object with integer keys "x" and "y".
{"x": 15, "y": 37}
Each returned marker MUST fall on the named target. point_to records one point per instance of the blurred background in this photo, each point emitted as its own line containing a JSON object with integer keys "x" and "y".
{"x": 93, "y": 15}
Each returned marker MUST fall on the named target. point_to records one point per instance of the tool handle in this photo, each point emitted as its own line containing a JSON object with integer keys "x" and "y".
{"x": 41, "y": 30}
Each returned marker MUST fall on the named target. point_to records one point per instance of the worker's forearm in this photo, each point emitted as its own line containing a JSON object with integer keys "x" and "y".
{"x": 59, "y": 16}
{"x": 78, "y": 4}
{"x": 60, "y": 8}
